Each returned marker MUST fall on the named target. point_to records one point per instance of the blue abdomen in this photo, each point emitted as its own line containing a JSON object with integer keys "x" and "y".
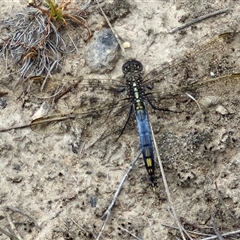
{"x": 146, "y": 142}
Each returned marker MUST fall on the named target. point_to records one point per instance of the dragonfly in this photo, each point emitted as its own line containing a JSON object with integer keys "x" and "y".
{"x": 202, "y": 79}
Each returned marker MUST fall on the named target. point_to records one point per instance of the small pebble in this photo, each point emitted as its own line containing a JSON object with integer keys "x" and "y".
{"x": 3, "y": 103}
{"x": 126, "y": 45}
{"x": 222, "y": 110}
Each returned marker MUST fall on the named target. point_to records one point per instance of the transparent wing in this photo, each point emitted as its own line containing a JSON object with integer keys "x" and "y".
{"x": 214, "y": 58}
{"x": 110, "y": 109}
{"x": 104, "y": 107}
{"x": 204, "y": 72}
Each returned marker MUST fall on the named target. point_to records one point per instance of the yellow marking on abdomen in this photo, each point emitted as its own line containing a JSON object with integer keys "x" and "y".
{"x": 149, "y": 163}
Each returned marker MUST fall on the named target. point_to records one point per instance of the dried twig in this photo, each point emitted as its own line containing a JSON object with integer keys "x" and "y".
{"x": 37, "y": 43}
{"x": 70, "y": 88}
{"x": 203, "y": 234}
{"x": 223, "y": 235}
{"x": 166, "y": 186}
{"x": 12, "y": 225}
{"x": 192, "y": 232}
{"x": 82, "y": 229}
{"x": 26, "y": 215}
{"x": 114, "y": 32}
{"x": 89, "y": 3}
{"x": 108, "y": 211}
{"x": 199, "y": 19}
{"x": 215, "y": 228}
{"x": 194, "y": 99}
{"x": 10, "y": 235}
{"x": 133, "y": 235}
{"x": 223, "y": 204}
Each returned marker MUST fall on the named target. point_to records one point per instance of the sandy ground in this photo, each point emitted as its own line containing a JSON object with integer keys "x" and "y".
{"x": 64, "y": 180}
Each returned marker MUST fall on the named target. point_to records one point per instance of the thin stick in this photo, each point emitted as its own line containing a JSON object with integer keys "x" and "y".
{"x": 82, "y": 229}
{"x": 109, "y": 24}
{"x": 199, "y": 19}
{"x": 223, "y": 204}
{"x": 108, "y": 211}
{"x": 71, "y": 87}
{"x": 185, "y": 231}
{"x": 223, "y": 235}
{"x": 57, "y": 92}
{"x": 194, "y": 99}
{"x": 203, "y": 234}
{"x": 193, "y": 232}
{"x": 74, "y": 45}
{"x": 56, "y": 215}
{"x": 133, "y": 235}
{"x": 26, "y": 215}
{"x": 166, "y": 185}
{"x": 215, "y": 228}
{"x": 88, "y": 4}
{"x": 12, "y": 225}
{"x": 10, "y": 235}
{"x": 49, "y": 73}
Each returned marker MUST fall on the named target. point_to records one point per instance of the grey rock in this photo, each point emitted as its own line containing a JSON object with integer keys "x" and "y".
{"x": 102, "y": 51}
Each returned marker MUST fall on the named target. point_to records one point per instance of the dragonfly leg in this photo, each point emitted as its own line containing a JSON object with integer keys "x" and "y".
{"x": 128, "y": 118}
{"x": 159, "y": 109}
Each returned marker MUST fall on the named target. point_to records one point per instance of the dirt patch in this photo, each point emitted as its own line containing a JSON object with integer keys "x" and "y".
{"x": 64, "y": 178}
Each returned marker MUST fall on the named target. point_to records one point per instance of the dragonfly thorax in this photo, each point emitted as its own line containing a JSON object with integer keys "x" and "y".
{"x": 133, "y": 75}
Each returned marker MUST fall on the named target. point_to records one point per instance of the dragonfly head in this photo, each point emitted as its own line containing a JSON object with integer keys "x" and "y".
{"x": 132, "y": 66}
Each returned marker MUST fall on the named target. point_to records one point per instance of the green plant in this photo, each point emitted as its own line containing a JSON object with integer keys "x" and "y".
{"x": 61, "y": 12}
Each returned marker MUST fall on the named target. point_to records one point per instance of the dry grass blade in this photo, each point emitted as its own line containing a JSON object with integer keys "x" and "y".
{"x": 42, "y": 121}
{"x": 82, "y": 229}
{"x": 24, "y": 214}
{"x": 133, "y": 235}
{"x": 110, "y": 25}
{"x": 166, "y": 186}
{"x": 223, "y": 235}
{"x": 107, "y": 213}
{"x": 199, "y": 19}
{"x": 10, "y": 235}
{"x": 37, "y": 43}
{"x": 61, "y": 12}
{"x": 13, "y": 227}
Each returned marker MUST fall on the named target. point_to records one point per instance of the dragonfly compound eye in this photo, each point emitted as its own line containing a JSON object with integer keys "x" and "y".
{"x": 132, "y": 66}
